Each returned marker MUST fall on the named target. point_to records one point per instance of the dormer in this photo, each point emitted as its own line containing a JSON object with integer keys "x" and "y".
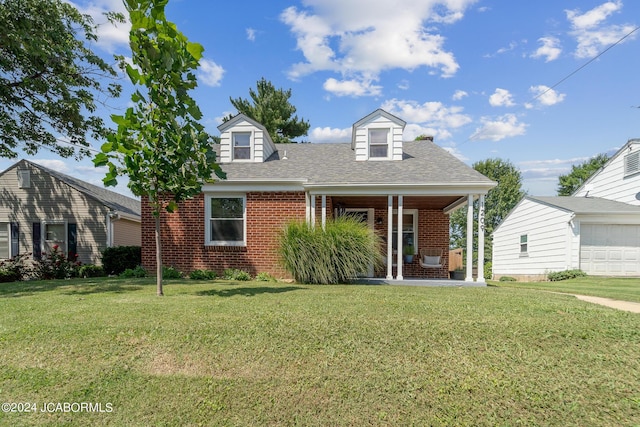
{"x": 242, "y": 139}
{"x": 378, "y": 136}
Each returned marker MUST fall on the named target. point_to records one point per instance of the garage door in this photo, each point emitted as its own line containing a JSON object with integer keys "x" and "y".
{"x": 610, "y": 250}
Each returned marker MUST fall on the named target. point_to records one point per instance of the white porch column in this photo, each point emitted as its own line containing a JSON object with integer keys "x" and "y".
{"x": 389, "y": 237}
{"x": 469, "y": 276}
{"x": 480, "y": 277}
{"x": 307, "y": 207}
{"x": 324, "y": 211}
{"x": 313, "y": 211}
{"x": 399, "y": 254}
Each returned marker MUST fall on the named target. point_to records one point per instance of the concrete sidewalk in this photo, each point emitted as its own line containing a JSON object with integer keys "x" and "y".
{"x": 633, "y": 307}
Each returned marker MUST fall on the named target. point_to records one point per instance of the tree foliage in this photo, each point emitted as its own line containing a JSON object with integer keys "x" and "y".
{"x": 49, "y": 78}
{"x": 569, "y": 183}
{"x": 498, "y": 203}
{"x": 159, "y": 143}
{"x": 272, "y": 109}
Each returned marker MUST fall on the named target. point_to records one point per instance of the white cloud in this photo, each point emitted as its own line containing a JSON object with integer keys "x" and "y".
{"x": 549, "y": 49}
{"x": 501, "y": 98}
{"x": 432, "y": 114}
{"x": 504, "y": 127}
{"x": 210, "y": 73}
{"x": 459, "y": 94}
{"x": 110, "y": 36}
{"x": 404, "y": 85}
{"x": 53, "y": 164}
{"x": 546, "y": 96}
{"x": 251, "y": 34}
{"x": 361, "y": 38}
{"x": 589, "y": 32}
{"x": 351, "y": 87}
{"x": 328, "y": 134}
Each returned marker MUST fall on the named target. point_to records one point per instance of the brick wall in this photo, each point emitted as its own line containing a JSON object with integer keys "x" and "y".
{"x": 433, "y": 232}
{"x": 183, "y": 235}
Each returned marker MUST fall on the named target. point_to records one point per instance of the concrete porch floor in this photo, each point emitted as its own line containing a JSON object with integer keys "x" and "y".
{"x": 419, "y": 282}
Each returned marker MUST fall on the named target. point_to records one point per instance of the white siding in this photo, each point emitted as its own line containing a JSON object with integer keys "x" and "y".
{"x": 549, "y": 236}
{"x": 261, "y": 145}
{"x": 361, "y": 146}
{"x": 610, "y": 183}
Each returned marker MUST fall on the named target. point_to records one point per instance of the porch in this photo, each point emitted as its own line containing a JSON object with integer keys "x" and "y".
{"x": 423, "y": 221}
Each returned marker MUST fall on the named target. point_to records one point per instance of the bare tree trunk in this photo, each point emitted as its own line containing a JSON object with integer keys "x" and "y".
{"x": 158, "y": 258}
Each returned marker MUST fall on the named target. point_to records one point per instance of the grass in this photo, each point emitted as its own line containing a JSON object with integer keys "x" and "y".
{"x": 625, "y": 289}
{"x": 256, "y": 353}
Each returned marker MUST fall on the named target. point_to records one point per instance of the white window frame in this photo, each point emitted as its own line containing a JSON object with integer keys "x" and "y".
{"x": 62, "y": 244}
{"x": 413, "y": 212}
{"x": 7, "y": 229}
{"x": 208, "y": 219}
{"x": 250, "y": 147}
{"x": 632, "y": 163}
{"x": 524, "y": 245}
{"x": 372, "y": 144}
{"x": 24, "y": 178}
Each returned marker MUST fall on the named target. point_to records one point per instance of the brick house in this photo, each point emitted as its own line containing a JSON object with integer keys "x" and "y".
{"x": 389, "y": 183}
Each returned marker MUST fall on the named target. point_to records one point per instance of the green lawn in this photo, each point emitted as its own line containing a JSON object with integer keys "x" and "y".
{"x": 616, "y": 288}
{"x": 254, "y": 353}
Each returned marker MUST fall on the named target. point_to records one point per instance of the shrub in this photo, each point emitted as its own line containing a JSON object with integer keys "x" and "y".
{"x": 265, "y": 277}
{"x": 14, "y": 269}
{"x": 488, "y": 270}
{"x": 507, "y": 279}
{"x": 90, "y": 270}
{"x": 203, "y": 275}
{"x": 171, "y": 273}
{"x": 557, "y": 276}
{"x": 56, "y": 265}
{"x": 235, "y": 274}
{"x": 129, "y": 273}
{"x": 117, "y": 259}
{"x": 341, "y": 251}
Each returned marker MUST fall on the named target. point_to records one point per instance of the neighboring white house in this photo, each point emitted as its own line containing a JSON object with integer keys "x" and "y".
{"x": 597, "y": 229}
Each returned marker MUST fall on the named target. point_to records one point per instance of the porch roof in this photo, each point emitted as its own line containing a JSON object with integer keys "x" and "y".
{"x": 424, "y": 165}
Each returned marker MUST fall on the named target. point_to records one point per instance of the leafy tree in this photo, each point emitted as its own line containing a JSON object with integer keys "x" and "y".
{"x": 498, "y": 203}
{"x": 272, "y": 109}
{"x": 49, "y": 78}
{"x": 569, "y": 183}
{"x": 159, "y": 143}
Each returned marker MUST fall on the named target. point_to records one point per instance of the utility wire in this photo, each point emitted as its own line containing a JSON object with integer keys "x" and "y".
{"x": 575, "y": 71}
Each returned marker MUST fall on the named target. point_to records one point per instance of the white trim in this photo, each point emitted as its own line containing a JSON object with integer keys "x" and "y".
{"x": 389, "y": 144}
{"x": 389, "y": 237}
{"x": 480, "y": 277}
{"x": 44, "y": 242}
{"x": 250, "y": 147}
{"x": 405, "y": 189}
{"x": 207, "y": 220}
{"x": 399, "y": 245}
{"x": 469, "y": 276}
{"x": 8, "y": 231}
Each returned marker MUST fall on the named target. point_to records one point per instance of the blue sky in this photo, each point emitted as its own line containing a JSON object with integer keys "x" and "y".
{"x": 522, "y": 81}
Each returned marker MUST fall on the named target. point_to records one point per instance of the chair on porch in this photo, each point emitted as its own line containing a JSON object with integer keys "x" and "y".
{"x": 431, "y": 257}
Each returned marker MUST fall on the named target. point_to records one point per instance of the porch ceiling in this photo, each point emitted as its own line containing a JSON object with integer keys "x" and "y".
{"x": 409, "y": 202}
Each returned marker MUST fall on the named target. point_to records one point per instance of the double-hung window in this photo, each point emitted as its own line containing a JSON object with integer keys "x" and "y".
{"x": 378, "y": 143}
{"x": 241, "y": 145}
{"x": 226, "y": 220}
{"x": 409, "y": 229}
{"x": 524, "y": 244}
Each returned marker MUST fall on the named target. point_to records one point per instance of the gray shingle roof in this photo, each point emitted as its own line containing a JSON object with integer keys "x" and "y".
{"x": 424, "y": 163}
{"x": 111, "y": 199}
{"x": 587, "y": 205}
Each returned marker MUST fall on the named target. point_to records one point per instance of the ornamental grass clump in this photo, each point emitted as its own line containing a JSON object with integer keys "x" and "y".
{"x": 345, "y": 249}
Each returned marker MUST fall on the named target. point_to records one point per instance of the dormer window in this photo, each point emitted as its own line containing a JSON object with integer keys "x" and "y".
{"x": 378, "y": 143}
{"x": 241, "y": 145}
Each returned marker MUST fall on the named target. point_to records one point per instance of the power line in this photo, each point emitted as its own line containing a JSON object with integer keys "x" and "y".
{"x": 576, "y": 70}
